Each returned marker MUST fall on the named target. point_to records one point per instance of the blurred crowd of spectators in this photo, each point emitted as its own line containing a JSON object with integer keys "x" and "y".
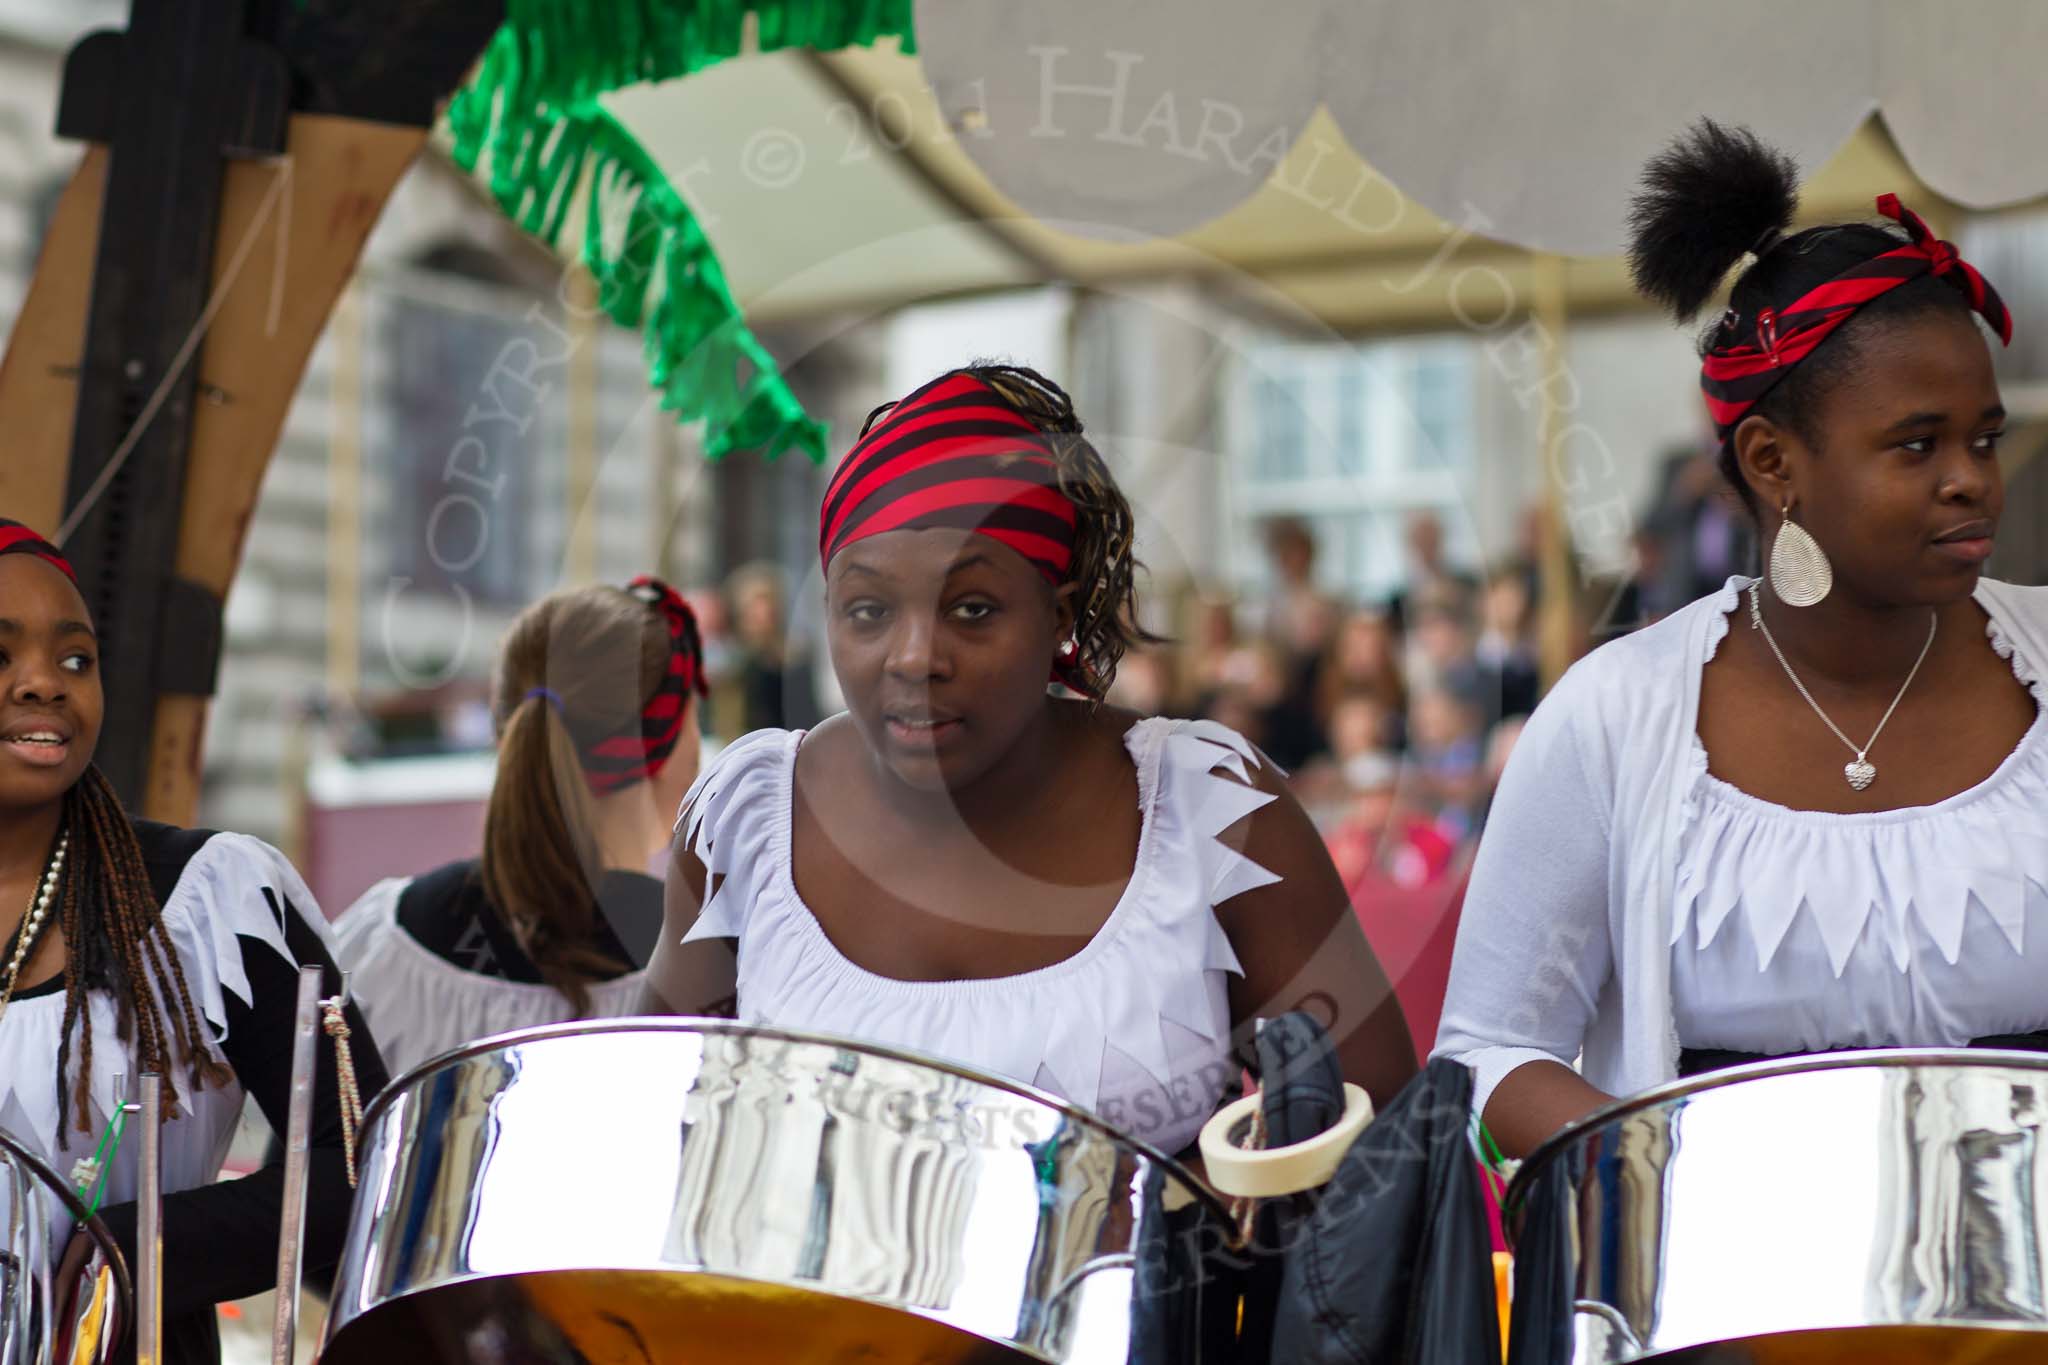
{"x": 1393, "y": 717}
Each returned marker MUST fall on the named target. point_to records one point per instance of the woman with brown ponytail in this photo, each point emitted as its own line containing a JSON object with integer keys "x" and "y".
{"x": 596, "y": 706}
{"x": 971, "y": 866}
{"x": 132, "y": 946}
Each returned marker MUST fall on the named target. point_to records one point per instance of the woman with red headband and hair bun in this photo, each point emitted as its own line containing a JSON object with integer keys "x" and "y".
{"x": 1810, "y": 812}
{"x": 128, "y": 946}
{"x": 970, "y": 865}
{"x": 595, "y": 704}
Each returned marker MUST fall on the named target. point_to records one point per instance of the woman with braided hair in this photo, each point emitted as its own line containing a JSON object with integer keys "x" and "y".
{"x": 132, "y": 946}
{"x": 595, "y": 702}
{"x": 1809, "y": 812}
{"x": 970, "y": 865}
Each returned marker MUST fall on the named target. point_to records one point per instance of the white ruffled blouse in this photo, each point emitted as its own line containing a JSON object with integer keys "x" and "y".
{"x": 1798, "y": 931}
{"x": 228, "y": 895}
{"x": 420, "y": 1005}
{"x": 1135, "y": 1026}
{"x": 1625, "y": 903}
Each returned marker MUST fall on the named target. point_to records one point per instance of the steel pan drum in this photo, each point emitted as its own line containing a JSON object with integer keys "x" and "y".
{"x": 80, "y": 1323}
{"x": 694, "y": 1190}
{"x": 1870, "y": 1207}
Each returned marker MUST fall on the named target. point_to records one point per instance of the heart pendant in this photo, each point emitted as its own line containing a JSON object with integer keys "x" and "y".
{"x": 1859, "y": 773}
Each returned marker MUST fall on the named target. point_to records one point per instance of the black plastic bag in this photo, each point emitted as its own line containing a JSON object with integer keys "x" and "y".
{"x": 1390, "y": 1261}
{"x": 1187, "y": 1284}
{"x": 1546, "y": 1262}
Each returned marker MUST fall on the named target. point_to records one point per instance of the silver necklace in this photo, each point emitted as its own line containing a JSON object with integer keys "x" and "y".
{"x": 33, "y": 919}
{"x": 1859, "y": 770}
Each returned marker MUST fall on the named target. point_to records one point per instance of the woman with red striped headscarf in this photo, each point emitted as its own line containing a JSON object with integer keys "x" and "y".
{"x": 595, "y": 704}
{"x": 1809, "y": 812}
{"x": 981, "y": 861}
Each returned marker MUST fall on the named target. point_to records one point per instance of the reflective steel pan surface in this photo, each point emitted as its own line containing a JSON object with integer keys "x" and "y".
{"x": 40, "y": 1321}
{"x": 1867, "y": 1206}
{"x": 654, "y": 1190}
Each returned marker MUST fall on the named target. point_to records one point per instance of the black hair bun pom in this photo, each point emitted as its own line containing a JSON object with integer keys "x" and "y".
{"x": 1711, "y": 196}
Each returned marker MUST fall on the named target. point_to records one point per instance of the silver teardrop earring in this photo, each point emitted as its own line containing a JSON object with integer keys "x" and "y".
{"x": 1800, "y": 572}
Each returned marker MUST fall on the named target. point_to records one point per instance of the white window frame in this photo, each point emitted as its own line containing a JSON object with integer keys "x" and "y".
{"x": 1404, "y": 479}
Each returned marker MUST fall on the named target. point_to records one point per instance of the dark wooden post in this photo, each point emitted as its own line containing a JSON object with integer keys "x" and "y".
{"x": 144, "y": 384}
{"x": 172, "y": 99}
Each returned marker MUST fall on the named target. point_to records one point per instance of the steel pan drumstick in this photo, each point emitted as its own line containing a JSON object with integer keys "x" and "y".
{"x": 149, "y": 1227}
{"x": 291, "y": 1229}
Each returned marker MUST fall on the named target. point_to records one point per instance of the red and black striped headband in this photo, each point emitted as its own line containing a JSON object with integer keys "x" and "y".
{"x": 17, "y": 539}
{"x": 1736, "y": 377}
{"x": 638, "y": 753}
{"x": 953, "y": 454}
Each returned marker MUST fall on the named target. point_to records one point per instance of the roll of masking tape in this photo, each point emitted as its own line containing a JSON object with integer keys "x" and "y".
{"x": 1269, "y": 1172}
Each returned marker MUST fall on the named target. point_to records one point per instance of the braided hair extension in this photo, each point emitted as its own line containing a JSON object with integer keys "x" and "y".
{"x": 114, "y": 941}
{"x": 1106, "y": 606}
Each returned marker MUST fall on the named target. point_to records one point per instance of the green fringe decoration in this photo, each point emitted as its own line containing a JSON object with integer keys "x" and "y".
{"x": 576, "y": 50}
{"x": 532, "y": 105}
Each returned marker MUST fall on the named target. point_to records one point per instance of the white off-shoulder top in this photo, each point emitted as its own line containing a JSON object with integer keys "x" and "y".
{"x": 1625, "y": 903}
{"x": 1134, "y": 1027}
{"x": 1927, "y": 926}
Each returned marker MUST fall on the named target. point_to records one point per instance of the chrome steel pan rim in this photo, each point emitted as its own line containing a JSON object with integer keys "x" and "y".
{"x": 94, "y": 1227}
{"x": 1563, "y": 1138}
{"x": 497, "y": 1042}
{"x": 124, "y": 1287}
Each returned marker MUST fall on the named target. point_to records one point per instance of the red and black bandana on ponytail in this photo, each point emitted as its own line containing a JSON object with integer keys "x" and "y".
{"x": 636, "y": 757}
{"x": 17, "y": 539}
{"x": 1735, "y": 377}
{"x": 953, "y": 454}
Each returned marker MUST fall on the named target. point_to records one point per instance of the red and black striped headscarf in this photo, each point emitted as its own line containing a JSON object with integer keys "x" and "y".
{"x": 17, "y": 539}
{"x": 956, "y": 454}
{"x": 1737, "y": 375}
{"x": 637, "y": 754}
{"x": 953, "y": 454}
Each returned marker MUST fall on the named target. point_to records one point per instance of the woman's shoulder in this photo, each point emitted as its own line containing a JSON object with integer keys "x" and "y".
{"x": 1188, "y": 742}
{"x": 1230, "y": 802}
{"x": 2018, "y": 629}
{"x": 732, "y": 824}
{"x": 1631, "y": 675}
{"x": 738, "y": 777}
{"x": 375, "y": 915}
{"x": 178, "y": 858}
{"x": 2021, "y": 602}
{"x": 754, "y": 752}
{"x": 225, "y": 896}
{"x": 445, "y": 893}
{"x": 168, "y": 850}
{"x": 2034, "y": 595}
{"x": 448, "y": 883}
{"x": 1689, "y": 635}
{"x": 1618, "y": 705}
{"x": 738, "y": 791}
